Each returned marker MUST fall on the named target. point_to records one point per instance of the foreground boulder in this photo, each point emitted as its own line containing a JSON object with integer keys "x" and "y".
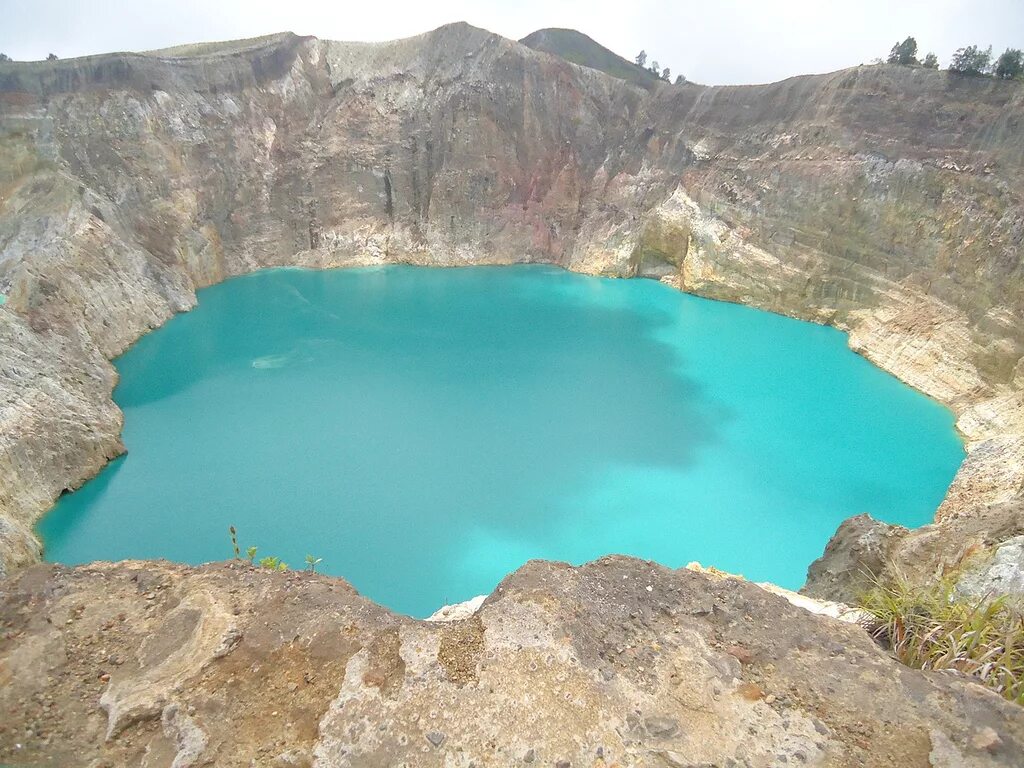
{"x": 860, "y": 552}
{"x": 982, "y": 552}
{"x": 619, "y": 662}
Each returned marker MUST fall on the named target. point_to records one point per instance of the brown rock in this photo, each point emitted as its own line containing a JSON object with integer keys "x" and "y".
{"x": 862, "y": 211}
{"x": 539, "y": 695}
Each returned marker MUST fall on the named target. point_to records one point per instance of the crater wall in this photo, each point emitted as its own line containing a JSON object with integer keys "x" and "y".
{"x": 886, "y": 201}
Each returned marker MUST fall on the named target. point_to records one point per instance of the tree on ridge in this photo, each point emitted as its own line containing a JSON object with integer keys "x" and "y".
{"x": 1010, "y": 64}
{"x": 905, "y": 53}
{"x": 971, "y": 61}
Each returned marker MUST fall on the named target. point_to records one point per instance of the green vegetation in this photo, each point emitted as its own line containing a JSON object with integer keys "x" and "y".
{"x": 312, "y": 562}
{"x": 579, "y": 49}
{"x": 51, "y": 57}
{"x": 656, "y": 70}
{"x": 1010, "y": 64}
{"x": 270, "y": 562}
{"x": 4, "y": 57}
{"x": 905, "y": 53}
{"x": 971, "y": 61}
{"x": 273, "y": 563}
{"x": 934, "y": 628}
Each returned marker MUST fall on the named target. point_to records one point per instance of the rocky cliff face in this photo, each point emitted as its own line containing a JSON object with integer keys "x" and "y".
{"x": 617, "y": 663}
{"x": 886, "y": 201}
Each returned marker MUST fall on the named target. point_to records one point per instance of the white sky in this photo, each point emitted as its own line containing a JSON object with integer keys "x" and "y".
{"x": 710, "y": 41}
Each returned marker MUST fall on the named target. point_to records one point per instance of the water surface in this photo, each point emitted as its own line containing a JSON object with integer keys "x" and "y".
{"x": 426, "y": 431}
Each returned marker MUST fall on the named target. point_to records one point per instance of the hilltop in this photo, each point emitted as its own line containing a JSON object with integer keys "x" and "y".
{"x": 580, "y": 49}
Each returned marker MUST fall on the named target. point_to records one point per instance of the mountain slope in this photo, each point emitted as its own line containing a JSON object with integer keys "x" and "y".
{"x": 579, "y": 49}
{"x": 883, "y": 200}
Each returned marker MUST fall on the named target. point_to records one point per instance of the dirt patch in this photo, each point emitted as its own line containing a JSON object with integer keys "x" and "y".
{"x": 462, "y": 644}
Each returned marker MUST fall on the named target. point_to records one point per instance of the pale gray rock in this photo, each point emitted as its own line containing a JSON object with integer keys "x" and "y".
{"x": 189, "y": 739}
{"x": 1000, "y": 574}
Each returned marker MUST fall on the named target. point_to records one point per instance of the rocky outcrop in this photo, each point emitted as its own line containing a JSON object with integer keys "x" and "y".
{"x": 859, "y": 552}
{"x": 1000, "y": 574}
{"x": 884, "y": 200}
{"x": 619, "y": 662}
{"x": 864, "y": 551}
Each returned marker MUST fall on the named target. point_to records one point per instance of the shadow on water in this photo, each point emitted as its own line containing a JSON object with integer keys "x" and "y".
{"x": 426, "y": 431}
{"x": 380, "y": 417}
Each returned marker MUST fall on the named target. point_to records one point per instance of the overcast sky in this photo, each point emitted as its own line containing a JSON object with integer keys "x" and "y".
{"x": 710, "y": 41}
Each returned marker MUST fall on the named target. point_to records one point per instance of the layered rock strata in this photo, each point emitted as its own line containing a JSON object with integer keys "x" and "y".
{"x": 883, "y": 200}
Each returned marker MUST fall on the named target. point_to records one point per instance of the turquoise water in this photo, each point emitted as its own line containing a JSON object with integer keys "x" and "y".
{"x": 426, "y": 431}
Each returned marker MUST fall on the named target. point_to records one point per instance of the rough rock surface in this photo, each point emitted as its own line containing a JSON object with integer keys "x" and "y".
{"x": 884, "y": 200}
{"x": 619, "y": 662}
{"x": 864, "y": 549}
{"x": 1000, "y": 574}
{"x": 859, "y": 552}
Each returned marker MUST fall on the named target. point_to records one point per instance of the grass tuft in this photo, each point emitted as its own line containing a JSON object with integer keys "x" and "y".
{"x": 934, "y": 628}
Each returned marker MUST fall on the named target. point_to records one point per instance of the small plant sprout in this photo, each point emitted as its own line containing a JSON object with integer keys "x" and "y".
{"x": 312, "y": 562}
{"x": 270, "y": 562}
{"x": 273, "y": 563}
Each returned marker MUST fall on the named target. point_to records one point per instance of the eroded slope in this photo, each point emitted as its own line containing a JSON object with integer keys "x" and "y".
{"x": 883, "y": 200}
